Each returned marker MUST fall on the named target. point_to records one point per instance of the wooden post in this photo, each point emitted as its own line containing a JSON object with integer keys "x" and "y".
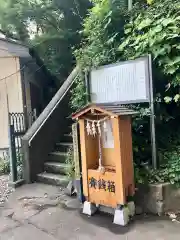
{"x": 77, "y": 160}
{"x": 127, "y": 155}
{"x": 120, "y": 194}
{"x": 84, "y": 147}
{"x": 12, "y": 153}
{"x": 76, "y": 150}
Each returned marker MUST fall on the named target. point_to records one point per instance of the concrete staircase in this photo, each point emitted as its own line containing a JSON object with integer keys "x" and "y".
{"x": 55, "y": 168}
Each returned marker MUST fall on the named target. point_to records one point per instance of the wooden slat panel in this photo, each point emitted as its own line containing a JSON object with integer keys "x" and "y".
{"x": 120, "y": 193}
{"x": 108, "y": 157}
{"x": 83, "y": 141}
{"x": 92, "y": 151}
{"x": 102, "y": 196}
{"x": 126, "y": 154}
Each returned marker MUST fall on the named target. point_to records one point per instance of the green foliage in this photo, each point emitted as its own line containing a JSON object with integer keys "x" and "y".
{"x": 102, "y": 30}
{"x": 156, "y": 30}
{"x": 168, "y": 172}
{"x": 4, "y": 165}
{"x": 173, "y": 167}
{"x": 70, "y": 171}
{"x": 111, "y": 34}
{"x": 12, "y": 18}
{"x": 50, "y": 27}
{"x": 153, "y": 29}
{"x": 100, "y": 35}
{"x": 19, "y": 156}
{"x": 78, "y": 93}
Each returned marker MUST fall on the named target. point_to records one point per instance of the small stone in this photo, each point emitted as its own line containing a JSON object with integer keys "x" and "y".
{"x": 77, "y": 229}
{"x": 45, "y": 195}
{"x": 172, "y": 216}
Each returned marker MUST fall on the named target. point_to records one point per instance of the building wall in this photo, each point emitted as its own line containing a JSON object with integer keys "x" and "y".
{"x": 10, "y": 95}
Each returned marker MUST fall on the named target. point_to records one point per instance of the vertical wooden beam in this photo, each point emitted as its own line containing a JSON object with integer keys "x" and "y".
{"x": 76, "y": 150}
{"x": 83, "y": 142}
{"x": 120, "y": 191}
{"x": 127, "y": 154}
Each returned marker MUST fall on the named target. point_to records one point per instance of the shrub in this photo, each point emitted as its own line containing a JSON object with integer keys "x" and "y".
{"x": 4, "y": 165}
{"x": 168, "y": 172}
{"x": 111, "y": 34}
{"x": 70, "y": 171}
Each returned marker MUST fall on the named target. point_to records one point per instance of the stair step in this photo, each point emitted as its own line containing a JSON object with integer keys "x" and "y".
{"x": 57, "y": 157}
{"x": 56, "y": 167}
{"x": 67, "y": 137}
{"x": 64, "y": 146}
{"x": 53, "y": 179}
{"x": 68, "y": 134}
{"x": 70, "y": 127}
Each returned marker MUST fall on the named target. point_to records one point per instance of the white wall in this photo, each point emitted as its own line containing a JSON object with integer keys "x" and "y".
{"x": 10, "y": 92}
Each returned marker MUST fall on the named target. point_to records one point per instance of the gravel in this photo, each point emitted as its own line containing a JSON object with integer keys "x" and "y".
{"x": 5, "y": 190}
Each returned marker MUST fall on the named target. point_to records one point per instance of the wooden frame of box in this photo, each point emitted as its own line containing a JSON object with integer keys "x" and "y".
{"x": 112, "y": 186}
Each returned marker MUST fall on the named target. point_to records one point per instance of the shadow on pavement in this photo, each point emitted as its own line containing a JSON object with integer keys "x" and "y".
{"x": 105, "y": 220}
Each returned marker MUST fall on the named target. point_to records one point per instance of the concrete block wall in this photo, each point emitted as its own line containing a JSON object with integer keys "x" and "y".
{"x": 158, "y": 198}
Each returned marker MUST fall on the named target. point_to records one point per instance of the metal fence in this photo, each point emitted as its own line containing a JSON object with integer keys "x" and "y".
{"x": 18, "y": 125}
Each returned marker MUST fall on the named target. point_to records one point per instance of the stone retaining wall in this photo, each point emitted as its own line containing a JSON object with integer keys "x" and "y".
{"x": 157, "y": 198}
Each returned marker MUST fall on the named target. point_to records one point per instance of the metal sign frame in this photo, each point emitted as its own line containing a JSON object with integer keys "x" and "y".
{"x": 149, "y": 94}
{"x": 147, "y": 83}
{"x": 152, "y": 122}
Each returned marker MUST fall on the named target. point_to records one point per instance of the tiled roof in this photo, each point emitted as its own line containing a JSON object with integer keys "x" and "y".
{"x": 112, "y": 109}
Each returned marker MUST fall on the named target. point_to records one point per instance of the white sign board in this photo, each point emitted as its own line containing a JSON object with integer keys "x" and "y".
{"x": 107, "y": 135}
{"x": 124, "y": 82}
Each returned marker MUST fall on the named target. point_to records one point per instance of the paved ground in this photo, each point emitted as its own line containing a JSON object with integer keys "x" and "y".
{"x": 39, "y": 211}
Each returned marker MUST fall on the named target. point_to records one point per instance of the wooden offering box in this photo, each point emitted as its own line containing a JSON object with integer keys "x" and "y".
{"x": 106, "y": 154}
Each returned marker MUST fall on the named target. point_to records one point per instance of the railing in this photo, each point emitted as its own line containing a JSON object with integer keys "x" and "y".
{"x": 18, "y": 125}
{"x": 47, "y": 130}
{"x": 20, "y": 121}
